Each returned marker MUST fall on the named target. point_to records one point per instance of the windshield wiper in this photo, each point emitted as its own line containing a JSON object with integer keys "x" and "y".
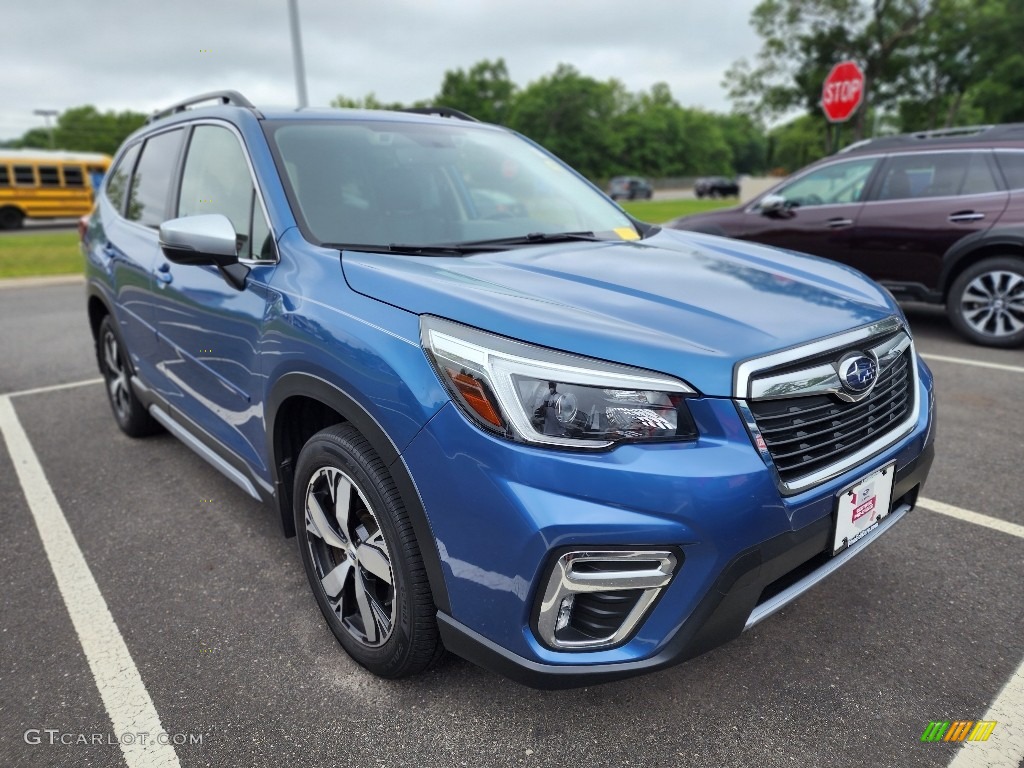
{"x": 470, "y": 246}
{"x": 536, "y": 238}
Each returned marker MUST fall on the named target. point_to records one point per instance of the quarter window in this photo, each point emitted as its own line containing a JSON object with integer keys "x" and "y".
{"x": 117, "y": 186}
{"x": 1012, "y": 164}
{"x": 833, "y": 184}
{"x": 152, "y": 180}
{"x": 24, "y": 176}
{"x": 216, "y": 179}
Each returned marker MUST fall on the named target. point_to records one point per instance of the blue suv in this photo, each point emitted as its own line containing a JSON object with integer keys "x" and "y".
{"x": 502, "y": 416}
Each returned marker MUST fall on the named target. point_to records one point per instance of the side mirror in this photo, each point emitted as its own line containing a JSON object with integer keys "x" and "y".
{"x": 206, "y": 239}
{"x": 772, "y": 204}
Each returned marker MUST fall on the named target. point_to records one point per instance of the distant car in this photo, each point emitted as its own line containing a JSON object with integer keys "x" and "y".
{"x": 630, "y": 187}
{"x": 716, "y": 186}
{"x": 935, "y": 216}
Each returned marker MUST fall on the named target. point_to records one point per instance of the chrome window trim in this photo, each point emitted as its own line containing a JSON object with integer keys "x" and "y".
{"x": 746, "y": 370}
{"x": 564, "y": 581}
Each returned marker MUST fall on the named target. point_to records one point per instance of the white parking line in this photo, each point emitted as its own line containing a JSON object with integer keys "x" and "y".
{"x": 1005, "y": 747}
{"x": 54, "y": 387}
{"x": 125, "y": 697}
{"x": 975, "y": 363}
{"x": 1005, "y": 526}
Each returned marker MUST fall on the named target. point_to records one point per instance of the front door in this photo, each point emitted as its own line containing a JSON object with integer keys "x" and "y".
{"x": 208, "y": 331}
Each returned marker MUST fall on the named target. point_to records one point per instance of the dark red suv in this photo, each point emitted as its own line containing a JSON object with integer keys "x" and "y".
{"x": 936, "y": 216}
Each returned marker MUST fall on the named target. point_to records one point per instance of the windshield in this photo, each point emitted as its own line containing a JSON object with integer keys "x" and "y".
{"x": 387, "y": 183}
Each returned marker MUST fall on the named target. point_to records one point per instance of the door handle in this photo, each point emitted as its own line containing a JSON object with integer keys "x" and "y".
{"x": 163, "y": 274}
{"x": 960, "y": 216}
{"x": 839, "y": 223}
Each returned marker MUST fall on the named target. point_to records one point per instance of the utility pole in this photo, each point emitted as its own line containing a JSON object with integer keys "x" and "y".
{"x": 300, "y": 67}
{"x": 46, "y": 114}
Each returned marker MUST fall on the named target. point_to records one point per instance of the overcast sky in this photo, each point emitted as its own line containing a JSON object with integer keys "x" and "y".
{"x": 143, "y": 54}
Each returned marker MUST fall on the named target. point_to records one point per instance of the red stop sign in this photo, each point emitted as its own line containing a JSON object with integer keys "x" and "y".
{"x": 843, "y": 91}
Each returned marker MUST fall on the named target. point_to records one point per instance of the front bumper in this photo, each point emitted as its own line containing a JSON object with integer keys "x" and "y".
{"x": 499, "y": 511}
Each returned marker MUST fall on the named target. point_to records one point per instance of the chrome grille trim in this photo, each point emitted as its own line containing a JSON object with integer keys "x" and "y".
{"x": 815, "y": 381}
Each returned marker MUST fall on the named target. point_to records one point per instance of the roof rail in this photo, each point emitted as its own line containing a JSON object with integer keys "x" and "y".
{"x": 441, "y": 112}
{"x": 224, "y": 97}
{"x": 942, "y": 136}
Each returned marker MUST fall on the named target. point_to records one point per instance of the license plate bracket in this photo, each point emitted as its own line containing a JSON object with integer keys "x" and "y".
{"x": 861, "y": 506}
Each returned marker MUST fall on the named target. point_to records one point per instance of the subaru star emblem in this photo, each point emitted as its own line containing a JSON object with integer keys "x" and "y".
{"x": 857, "y": 372}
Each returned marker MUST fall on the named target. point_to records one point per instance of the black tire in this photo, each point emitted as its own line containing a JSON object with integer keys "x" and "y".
{"x": 129, "y": 413}
{"x": 389, "y": 628}
{"x": 986, "y": 302}
{"x": 11, "y": 218}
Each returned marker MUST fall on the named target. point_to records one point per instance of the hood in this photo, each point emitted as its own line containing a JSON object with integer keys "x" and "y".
{"x": 679, "y": 303}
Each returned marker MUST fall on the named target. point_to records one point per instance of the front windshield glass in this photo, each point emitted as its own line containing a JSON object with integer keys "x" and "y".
{"x": 411, "y": 183}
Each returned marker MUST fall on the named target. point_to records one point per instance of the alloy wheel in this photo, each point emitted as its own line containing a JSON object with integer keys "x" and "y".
{"x": 993, "y": 303}
{"x": 116, "y": 374}
{"x": 350, "y": 556}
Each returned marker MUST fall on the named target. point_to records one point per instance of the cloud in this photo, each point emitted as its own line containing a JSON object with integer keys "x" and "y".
{"x": 141, "y": 54}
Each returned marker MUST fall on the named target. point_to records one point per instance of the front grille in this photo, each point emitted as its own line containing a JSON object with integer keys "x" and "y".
{"x": 805, "y": 434}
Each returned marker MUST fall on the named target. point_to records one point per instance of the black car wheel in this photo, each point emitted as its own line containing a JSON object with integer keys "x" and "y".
{"x": 986, "y": 302}
{"x": 129, "y": 413}
{"x": 361, "y": 556}
{"x": 11, "y": 218}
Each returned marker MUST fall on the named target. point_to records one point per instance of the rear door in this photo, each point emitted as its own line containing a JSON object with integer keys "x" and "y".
{"x": 921, "y": 204}
{"x": 135, "y": 203}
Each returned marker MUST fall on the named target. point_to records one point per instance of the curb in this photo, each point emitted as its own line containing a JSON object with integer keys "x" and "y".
{"x": 39, "y": 282}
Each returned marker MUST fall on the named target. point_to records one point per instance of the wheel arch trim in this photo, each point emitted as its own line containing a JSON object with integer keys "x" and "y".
{"x": 973, "y": 248}
{"x": 313, "y": 387}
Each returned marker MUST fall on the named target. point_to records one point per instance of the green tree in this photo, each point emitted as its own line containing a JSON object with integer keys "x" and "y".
{"x": 369, "y": 101}
{"x": 485, "y": 91}
{"x": 571, "y": 115}
{"x": 804, "y": 38}
{"x": 87, "y": 129}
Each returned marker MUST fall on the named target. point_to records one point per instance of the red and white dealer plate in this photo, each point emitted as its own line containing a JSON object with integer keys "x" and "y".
{"x": 861, "y": 506}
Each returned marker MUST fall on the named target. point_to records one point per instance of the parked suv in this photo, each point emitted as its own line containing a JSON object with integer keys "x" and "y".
{"x": 630, "y": 188}
{"x": 935, "y": 217}
{"x": 503, "y": 417}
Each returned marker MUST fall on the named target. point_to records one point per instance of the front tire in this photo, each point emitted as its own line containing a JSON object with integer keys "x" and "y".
{"x": 361, "y": 555}
{"x": 986, "y": 302}
{"x": 112, "y": 356}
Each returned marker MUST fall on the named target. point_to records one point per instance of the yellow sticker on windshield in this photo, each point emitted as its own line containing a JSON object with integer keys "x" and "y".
{"x": 627, "y": 233}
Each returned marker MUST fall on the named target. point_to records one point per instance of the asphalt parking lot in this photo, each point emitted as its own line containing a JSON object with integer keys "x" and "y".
{"x": 210, "y": 605}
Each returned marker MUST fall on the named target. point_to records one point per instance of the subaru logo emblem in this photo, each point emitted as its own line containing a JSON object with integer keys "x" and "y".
{"x": 857, "y": 372}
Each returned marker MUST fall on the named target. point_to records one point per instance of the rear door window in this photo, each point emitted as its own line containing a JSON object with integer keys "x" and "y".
{"x": 936, "y": 174}
{"x": 152, "y": 180}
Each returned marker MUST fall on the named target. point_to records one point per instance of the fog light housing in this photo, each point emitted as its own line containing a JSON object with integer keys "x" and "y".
{"x": 596, "y": 599}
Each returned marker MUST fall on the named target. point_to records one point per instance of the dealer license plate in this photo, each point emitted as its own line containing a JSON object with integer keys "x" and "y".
{"x": 861, "y": 506}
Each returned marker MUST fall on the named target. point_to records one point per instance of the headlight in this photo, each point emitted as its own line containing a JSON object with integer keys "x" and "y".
{"x": 538, "y": 395}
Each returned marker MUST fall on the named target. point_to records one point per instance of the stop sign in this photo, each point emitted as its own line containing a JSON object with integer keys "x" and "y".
{"x": 843, "y": 91}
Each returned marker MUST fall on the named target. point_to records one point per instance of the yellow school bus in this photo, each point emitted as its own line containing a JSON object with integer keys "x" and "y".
{"x": 47, "y": 184}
